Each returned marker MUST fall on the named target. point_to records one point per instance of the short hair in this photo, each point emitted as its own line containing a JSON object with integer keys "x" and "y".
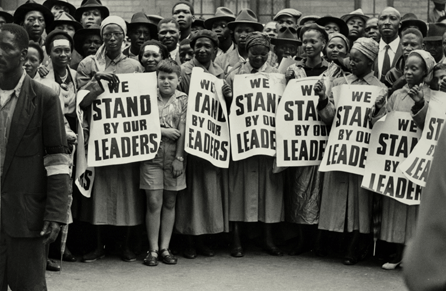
{"x": 20, "y": 35}
{"x": 38, "y": 48}
{"x": 169, "y": 66}
{"x": 439, "y": 67}
{"x": 415, "y": 31}
{"x": 163, "y": 50}
{"x": 185, "y": 41}
{"x": 322, "y": 36}
{"x": 185, "y": 3}
{"x": 168, "y": 20}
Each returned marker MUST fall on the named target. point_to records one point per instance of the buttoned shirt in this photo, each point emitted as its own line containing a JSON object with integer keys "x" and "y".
{"x": 230, "y": 49}
{"x": 393, "y": 47}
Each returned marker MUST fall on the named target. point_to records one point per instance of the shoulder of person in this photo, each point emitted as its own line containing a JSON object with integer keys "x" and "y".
{"x": 187, "y": 67}
{"x": 41, "y": 90}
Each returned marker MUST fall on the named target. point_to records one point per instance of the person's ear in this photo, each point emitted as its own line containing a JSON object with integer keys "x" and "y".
{"x": 23, "y": 55}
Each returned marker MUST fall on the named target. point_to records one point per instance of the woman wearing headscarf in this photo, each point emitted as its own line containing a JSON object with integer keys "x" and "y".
{"x": 151, "y": 53}
{"x": 115, "y": 198}
{"x": 398, "y": 220}
{"x": 345, "y": 206}
{"x": 252, "y": 179}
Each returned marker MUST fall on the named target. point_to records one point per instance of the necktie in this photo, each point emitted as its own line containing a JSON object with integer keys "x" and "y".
{"x": 386, "y": 64}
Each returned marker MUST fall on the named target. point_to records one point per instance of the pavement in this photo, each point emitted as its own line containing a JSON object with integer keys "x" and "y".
{"x": 256, "y": 271}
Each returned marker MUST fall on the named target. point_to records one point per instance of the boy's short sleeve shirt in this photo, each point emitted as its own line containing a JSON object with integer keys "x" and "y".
{"x": 173, "y": 112}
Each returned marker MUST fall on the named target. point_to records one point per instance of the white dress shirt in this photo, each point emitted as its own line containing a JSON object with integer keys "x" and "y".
{"x": 382, "y": 50}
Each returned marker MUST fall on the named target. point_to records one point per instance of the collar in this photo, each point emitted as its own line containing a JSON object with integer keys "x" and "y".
{"x": 177, "y": 94}
{"x": 18, "y": 87}
{"x": 393, "y": 45}
{"x": 367, "y": 78}
{"x": 261, "y": 69}
{"x": 116, "y": 60}
{"x": 213, "y": 68}
{"x": 242, "y": 59}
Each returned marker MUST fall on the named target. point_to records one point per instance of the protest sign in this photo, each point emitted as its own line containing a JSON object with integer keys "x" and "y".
{"x": 417, "y": 166}
{"x": 124, "y": 126}
{"x": 253, "y": 114}
{"x": 350, "y": 132}
{"x": 301, "y": 135}
{"x": 285, "y": 63}
{"x": 84, "y": 176}
{"x": 207, "y": 130}
{"x": 393, "y": 138}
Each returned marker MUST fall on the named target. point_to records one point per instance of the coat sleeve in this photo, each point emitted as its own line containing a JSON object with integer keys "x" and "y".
{"x": 425, "y": 255}
{"x": 56, "y": 160}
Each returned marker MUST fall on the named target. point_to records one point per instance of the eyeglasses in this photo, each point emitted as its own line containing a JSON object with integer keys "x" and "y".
{"x": 109, "y": 35}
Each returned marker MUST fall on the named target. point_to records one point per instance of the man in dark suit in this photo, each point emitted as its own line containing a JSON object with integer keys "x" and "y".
{"x": 34, "y": 164}
{"x": 390, "y": 50}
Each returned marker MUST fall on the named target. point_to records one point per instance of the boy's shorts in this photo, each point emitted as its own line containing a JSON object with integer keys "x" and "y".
{"x": 157, "y": 174}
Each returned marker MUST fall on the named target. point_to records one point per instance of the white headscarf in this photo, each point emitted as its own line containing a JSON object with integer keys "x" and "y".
{"x": 100, "y": 54}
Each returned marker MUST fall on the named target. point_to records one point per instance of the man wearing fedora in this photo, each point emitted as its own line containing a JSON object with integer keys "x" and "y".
{"x": 410, "y": 20}
{"x": 91, "y": 13}
{"x": 139, "y": 30}
{"x": 390, "y": 50}
{"x": 286, "y": 44}
{"x": 437, "y": 11}
{"x": 34, "y": 18}
{"x": 433, "y": 42}
{"x": 219, "y": 25}
{"x": 355, "y": 21}
{"x": 58, "y": 6}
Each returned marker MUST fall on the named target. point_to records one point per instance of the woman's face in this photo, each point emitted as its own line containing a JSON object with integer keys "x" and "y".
{"x": 60, "y": 52}
{"x": 91, "y": 44}
{"x": 312, "y": 43}
{"x": 414, "y": 70}
{"x": 257, "y": 56}
{"x": 332, "y": 27}
{"x": 113, "y": 37}
{"x": 151, "y": 57}
{"x": 32, "y": 62}
{"x": 336, "y": 46}
{"x": 91, "y": 17}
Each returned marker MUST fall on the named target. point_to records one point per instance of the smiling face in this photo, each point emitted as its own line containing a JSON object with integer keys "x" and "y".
{"x": 151, "y": 57}
{"x": 336, "y": 47}
{"x": 60, "y": 53}
{"x": 204, "y": 50}
{"x": 414, "y": 70}
{"x": 312, "y": 43}
{"x": 169, "y": 35}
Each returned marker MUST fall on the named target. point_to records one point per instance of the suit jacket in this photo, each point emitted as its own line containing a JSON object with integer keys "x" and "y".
{"x": 398, "y": 54}
{"x": 36, "y": 143}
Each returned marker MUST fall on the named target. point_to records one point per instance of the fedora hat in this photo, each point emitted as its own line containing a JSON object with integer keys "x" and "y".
{"x": 155, "y": 19}
{"x": 8, "y": 17}
{"x": 246, "y": 16}
{"x": 198, "y": 22}
{"x": 81, "y": 34}
{"x": 31, "y": 5}
{"x": 435, "y": 32}
{"x": 410, "y": 19}
{"x": 91, "y": 4}
{"x": 50, "y": 3}
{"x": 307, "y": 18}
{"x": 357, "y": 13}
{"x": 140, "y": 18}
{"x": 343, "y": 28}
{"x": 65, "y": 18}
{"x": 221, "y": 14}
{"x": 286, "y": 35}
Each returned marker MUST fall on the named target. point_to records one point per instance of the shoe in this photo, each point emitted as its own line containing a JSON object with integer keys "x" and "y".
{"x": 168, "y": 259}
{"x": 320, "y": 252}
{"x": 93, "y": 256}
{"x": 52, "y": 266}
{"x": 151, "y": 260}
{"x": 298, "y": 250}
{"x": 189, "y": 252}
{"x": 274, "y": 251}
{"x": 128, "y": 256}
{"x": 206, "y": 251}
{"x": 350, "y": 260}
{"x": 68, "y": 256}
{"x": 237, "y": 252}
{"x": 391, "y": 266}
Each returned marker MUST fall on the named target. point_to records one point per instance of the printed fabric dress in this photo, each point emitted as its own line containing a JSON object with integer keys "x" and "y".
{"x": 115, "y": 198}
{"x": 202, "y": 207}
{"x": 255, "y": 192}
{"x": 345, "y": 206}
{"x": 398, "y": 220}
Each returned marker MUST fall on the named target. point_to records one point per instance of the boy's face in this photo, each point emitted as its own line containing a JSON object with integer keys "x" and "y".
{"x": 167, "y": 83}
{"x": 186, "y": 53}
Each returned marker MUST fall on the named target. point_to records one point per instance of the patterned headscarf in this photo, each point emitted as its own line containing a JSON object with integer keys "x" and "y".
{"x": 257, "y": 38}
{"x": 368, "y": 46}
{"x": 428, "y": 60}
{"x": 341, "y": 36}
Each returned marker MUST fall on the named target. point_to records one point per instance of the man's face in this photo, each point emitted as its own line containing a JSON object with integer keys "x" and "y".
{"x": 221, "y": 29}
{"x": 241, "y": 32}
{"x": 410, "y": 42}
{"x": 168, "y": 35}
{"x": 389, "y": 23}
{"x": 91, "y": 17}
{"x": 34, "y": 24}
{"x": 91, "y": 44}
{"x": 204, "y": 50}
{"x": 285, "y": 50}
{"x": 2, "y": 21}
{"x": 138, "y": 35}
{"x": 186, "y": 53}
{"x": 286, "y": 21}
{"x": 270, "y": 29}
{"x": 58, "y": 9}
{"x": 355, "y": 27}
{"x": 435, "y": 48}
{"x": 11, "y": 56}
{"x": 183, "y": 15}
{"x": 67, "y": 28}
{"x": 371, "y": 29}
{"x": 32, "y": 62}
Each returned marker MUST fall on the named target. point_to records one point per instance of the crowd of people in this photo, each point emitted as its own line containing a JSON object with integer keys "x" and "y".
{"x": 53, "y": 51}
